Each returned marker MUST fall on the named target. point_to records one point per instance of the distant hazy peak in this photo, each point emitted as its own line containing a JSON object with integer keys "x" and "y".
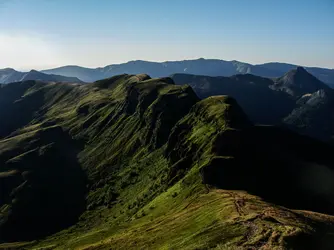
{"x": 10, "y": 75}
{"x": 34, "y": 71}
{"x": 298, "y": 82}
{"x": 8, "y": 70}
{"x": 301, "y": 69}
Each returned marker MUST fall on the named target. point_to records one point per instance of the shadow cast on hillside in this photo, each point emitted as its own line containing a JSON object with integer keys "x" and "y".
{"x": 46, "y": 193}
{"x": 277, "y": 165}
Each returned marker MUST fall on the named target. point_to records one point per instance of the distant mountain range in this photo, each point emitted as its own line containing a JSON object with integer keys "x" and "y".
{"x": 297, "y": 100}
{"x": 10, "y": 75}
{"x": 208, "y": 67}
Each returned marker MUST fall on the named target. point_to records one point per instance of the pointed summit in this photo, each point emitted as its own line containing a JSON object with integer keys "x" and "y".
{"x": 298, "y": 82}
{"x": 301, "y": 70}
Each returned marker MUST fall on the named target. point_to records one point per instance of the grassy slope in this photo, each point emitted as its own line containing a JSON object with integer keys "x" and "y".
{"x": 145, "y": 190}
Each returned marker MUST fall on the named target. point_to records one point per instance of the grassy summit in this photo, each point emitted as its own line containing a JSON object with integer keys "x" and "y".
{"x": 132, "y": 162}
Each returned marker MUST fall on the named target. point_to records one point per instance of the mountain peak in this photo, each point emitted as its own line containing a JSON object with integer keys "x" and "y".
{"x": 7, "y": 70}
{"x": 298, "y": 82}
{"x": 300, "y": 69}
{"x": 301, "y": 74}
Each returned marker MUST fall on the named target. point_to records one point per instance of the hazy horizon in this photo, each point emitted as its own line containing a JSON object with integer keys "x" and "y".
{"x": 101, "y": 66}
{"x": 41, "y": 34}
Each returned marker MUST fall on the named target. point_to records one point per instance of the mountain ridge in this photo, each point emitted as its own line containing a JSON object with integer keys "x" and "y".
{"x": 150, "y": 165}
{"x": 9, "y": 75}
{"x": 295, "y": 100}
{"x": 298, "y": 82}
{"x": 201, "y": 66}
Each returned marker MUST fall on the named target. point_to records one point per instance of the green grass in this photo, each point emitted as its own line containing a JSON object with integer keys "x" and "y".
{"x": 140, "y": 145}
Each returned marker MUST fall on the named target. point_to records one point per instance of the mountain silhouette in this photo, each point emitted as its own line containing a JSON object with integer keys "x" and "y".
{"x": 10, "y": 75}
{"x": 298, "y": 82}
{"x": 208, "y": 67}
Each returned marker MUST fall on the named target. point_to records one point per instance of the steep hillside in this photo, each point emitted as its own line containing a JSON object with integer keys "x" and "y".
{"x": 10, "y": 75}
{"x": 234, "y": 155}
{"x": 296, "y": 100}
{"x": 141, "y": 163}
{"x": 42, "y": 184}
{"x": 208, "y": 67}
{"x": 313, "y": 115}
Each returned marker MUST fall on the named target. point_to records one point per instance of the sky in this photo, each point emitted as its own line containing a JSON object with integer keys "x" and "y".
{"x": 41, "y": 34}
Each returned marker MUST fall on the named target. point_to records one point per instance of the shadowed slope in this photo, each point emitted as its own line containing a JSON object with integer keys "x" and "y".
{"x": 42, "y": 185}
{"x": 296, "y": 100}
{"x": 275, "y": 164}
{"x": 298, "y": 82}
{"x": 253, "y": 94}
{"x": 314, "y": 115}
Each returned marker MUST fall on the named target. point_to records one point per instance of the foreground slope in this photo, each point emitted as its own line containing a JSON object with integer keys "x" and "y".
{"x": 144, "y": 164}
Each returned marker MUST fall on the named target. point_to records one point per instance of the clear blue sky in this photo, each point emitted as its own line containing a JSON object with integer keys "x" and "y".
{"x": 48, "y": 33}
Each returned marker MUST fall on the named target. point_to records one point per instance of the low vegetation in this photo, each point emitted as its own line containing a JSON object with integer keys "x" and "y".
{"x": 132, "y": 162}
